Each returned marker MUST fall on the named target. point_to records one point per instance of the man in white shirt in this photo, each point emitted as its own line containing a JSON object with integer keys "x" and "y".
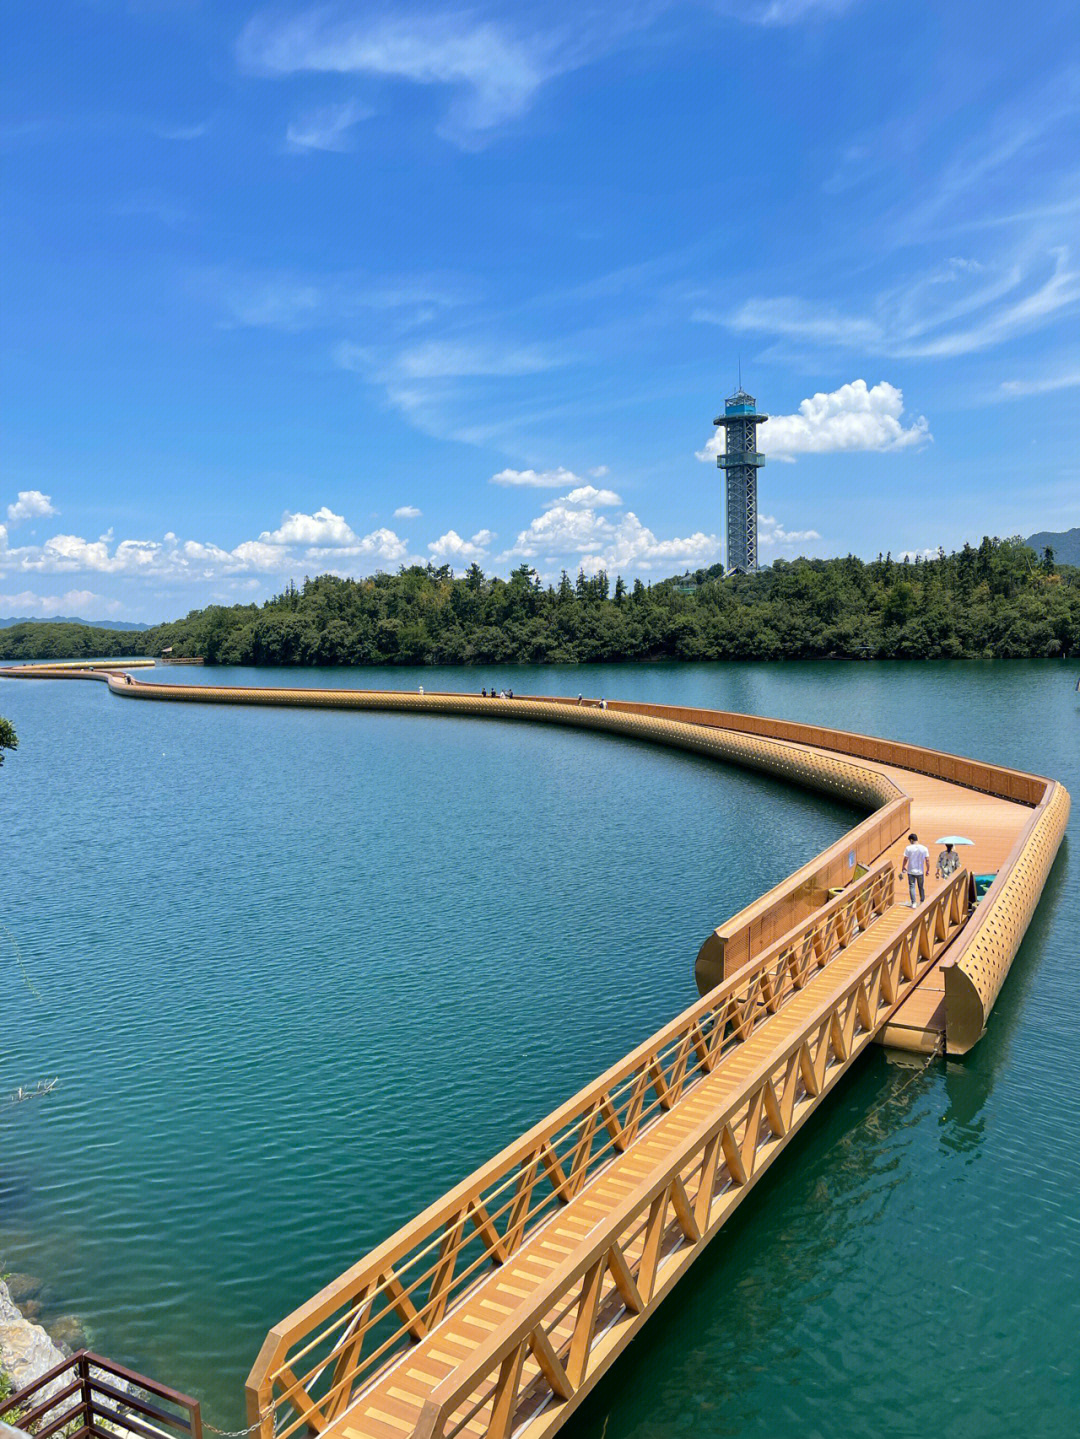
{"x": 916, "y": 860}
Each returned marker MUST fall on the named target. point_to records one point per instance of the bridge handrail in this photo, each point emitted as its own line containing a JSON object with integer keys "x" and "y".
{"x": 772, "y": 1091}
{"x": 571, "y": 1143}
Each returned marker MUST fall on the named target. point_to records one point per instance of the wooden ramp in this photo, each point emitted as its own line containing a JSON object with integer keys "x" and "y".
{"x": 497, "y": 1311}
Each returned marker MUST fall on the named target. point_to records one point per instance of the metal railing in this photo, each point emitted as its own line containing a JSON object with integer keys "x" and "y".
{"x": 88, "y": 1397}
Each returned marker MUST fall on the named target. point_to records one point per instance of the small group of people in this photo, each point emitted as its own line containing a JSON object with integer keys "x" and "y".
{"x": 497, "y": 694}
{"x": 917, "y": 861}
{"x": 600, "y": 704}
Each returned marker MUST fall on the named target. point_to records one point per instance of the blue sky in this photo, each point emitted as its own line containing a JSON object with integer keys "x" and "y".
{"x": 291, "y": 289}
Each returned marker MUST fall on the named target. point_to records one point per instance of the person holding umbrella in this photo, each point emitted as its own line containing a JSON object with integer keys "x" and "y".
{"x": 948, "y": 861}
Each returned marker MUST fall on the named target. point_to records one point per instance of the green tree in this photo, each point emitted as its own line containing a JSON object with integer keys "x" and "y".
{"x": 8, "y": 738}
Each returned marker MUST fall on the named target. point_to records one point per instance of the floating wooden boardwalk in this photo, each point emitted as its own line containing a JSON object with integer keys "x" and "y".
{"x": 497, "y": 1310}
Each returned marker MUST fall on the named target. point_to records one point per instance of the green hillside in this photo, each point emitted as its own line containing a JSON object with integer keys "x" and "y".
{"x": 998, "y": 600}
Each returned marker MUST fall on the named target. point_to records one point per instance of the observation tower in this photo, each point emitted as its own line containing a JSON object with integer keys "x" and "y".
{"x": 742, "y": 462}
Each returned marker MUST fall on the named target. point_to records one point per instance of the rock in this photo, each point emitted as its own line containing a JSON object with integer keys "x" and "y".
{"x": 31, "y": 1309}
{"x": 67, "y": 1331}
{"x": 25, "y": 1286}
{"x": 26, "y": 1351}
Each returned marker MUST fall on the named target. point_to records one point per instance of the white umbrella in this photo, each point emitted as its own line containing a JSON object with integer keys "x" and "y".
{"x": 953, "y": 839}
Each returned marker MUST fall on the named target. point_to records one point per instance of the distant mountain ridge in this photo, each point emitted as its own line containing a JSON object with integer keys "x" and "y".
{"x": 1064, "y": 543}
{"x": 6, "y": 623}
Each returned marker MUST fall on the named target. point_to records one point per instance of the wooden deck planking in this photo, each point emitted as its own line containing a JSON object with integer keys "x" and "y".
{"x": 563, "y": 1234}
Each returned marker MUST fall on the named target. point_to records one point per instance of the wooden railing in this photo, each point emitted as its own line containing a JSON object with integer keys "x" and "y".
{"x": 552, "y": 1351}
{"x": 311, "y": 1363}
{"x": 88, "y": 1397}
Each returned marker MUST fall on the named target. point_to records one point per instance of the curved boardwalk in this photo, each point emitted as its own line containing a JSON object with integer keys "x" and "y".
{"x": 498, "y": 1309}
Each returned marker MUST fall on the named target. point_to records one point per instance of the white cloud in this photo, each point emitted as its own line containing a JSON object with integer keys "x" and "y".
{"x": 771, "y": 532}
{"x": 598, "y": 472}
{"x": 1047, "y": 385}
{"x": 632, "y": 546}
{"x": 494, "y": 74}
{"x": 854, "y": 417}
{"x": 323, "y": 528}
{"x": 290, "y": 301}
{"x": 299, "y": 539}
{"x": 952, "y": 310}
{"x": 589, "y": 495}
{"x": 328, "y": 128}
{"x": 623, "y": 543}
{"x": 182, "y": 132}
{"x": 452, "y": 547}
{"x": 555, "y": 479}
{"x": 561, "y": 529}
{"x": 407, "y": 512}
{"x": 442, "y": 359}
{"x": 31, "y": 505}
{"x": 80, "y": 604}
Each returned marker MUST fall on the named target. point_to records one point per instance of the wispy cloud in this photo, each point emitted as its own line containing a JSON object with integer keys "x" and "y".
{"x": 981, "y": 306}
{"x": 285, "y": 300}
{"x": 493, "y": 68}
{"x": 493, "y": 73}
{"x": 407, "y": 512}
{"x": 183, "y": 132}
{"x": 155, "y": 204}
{"x": 327, "y": 128}
{"x": 1045, "y": 385}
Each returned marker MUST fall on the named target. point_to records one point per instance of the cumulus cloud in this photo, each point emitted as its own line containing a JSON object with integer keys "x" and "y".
{"x": 589, "y": 495}
{"x": 327, "y": 128}
{"x": 603, "y": 543}
{"x": 771, "y": 532}
{"x": 407, "y": 512}
{"x": 854, "y": 417}
{"x": 300, "y": 538}
{"x": 452, "y": 547}
{"x": 558, "y": 478}
{"x": 633, "y": 546}
{"x": 31, "y": 505}
{"x": 323, "y": 528}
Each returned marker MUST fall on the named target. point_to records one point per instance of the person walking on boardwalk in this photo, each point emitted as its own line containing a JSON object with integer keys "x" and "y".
{"x": 948, "y": 862}
{"x": 916, "y": 858}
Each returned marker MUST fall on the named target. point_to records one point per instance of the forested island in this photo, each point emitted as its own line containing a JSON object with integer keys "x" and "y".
{"x": 999, "y": 600}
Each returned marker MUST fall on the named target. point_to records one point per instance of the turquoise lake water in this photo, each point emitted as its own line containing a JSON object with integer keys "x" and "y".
{"x": 298, "y": 972}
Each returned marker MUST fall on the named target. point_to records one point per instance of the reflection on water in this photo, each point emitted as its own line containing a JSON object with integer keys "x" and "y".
{"x": 298, "y": 973}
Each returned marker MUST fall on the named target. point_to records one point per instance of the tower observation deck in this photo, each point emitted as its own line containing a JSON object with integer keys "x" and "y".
{"x": 741, "y": 460}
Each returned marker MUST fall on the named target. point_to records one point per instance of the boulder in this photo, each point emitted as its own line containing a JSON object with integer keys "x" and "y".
{"x": 22, "y": 1287}
{"x": 67, "y": 1331}
{"x": 26, "y": 1351}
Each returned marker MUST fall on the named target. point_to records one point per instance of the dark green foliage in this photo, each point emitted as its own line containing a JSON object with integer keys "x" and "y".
{"x": 8, "y": 737}
{"x": 1000, "y": 600}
